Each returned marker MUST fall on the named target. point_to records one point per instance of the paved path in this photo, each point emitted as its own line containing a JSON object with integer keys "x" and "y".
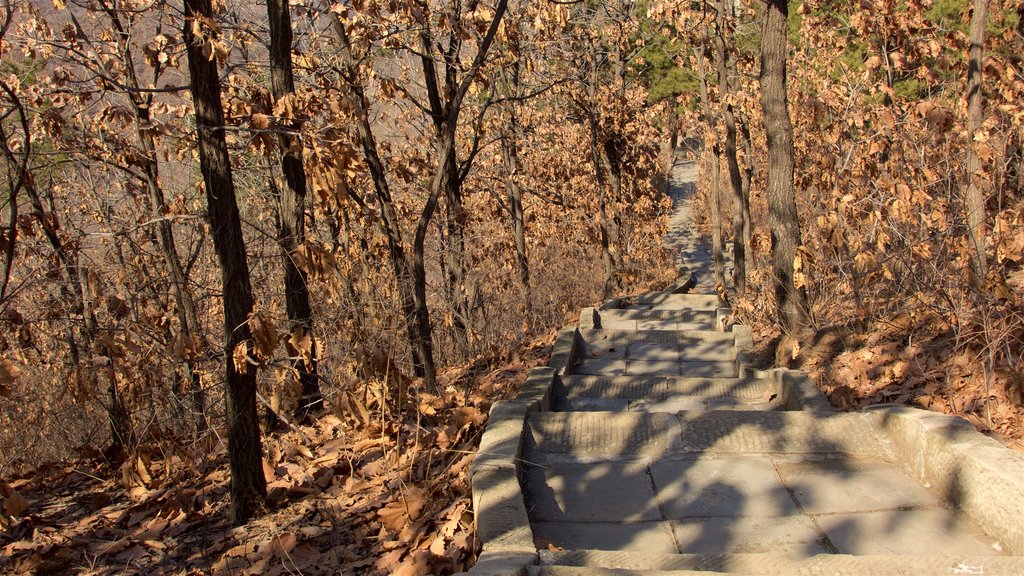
{"x": 649, "y": 447}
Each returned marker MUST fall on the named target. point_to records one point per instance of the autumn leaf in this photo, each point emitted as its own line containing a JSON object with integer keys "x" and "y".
{"x": 264, "y": 335}
{"x": 407, "y": 508}
{"x": 9, "y": 374}
{"x": 14, "y": 503}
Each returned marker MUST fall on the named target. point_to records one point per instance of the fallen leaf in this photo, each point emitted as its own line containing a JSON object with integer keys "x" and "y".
{"x": 14, "y": 503}
{"x": 394, "y": 515}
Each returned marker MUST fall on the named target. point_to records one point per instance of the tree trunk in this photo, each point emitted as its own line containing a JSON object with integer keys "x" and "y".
{"x": 510, "y": 158}
{"x": 715, "y": 194}
{"x": 248, "y": 485}
{"x": 790, "y": 302}
{"x": 421, "y": 345}
{"x": 292, "y": 211}
{"x": 975, "y": 193}
{"x": 748, "y": 175}
{"x": 726, "y": 89}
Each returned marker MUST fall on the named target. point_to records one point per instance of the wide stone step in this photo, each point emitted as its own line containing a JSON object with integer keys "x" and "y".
{"x": 665, "y": 301}
{"x": 656, "y": 319}
{"x": 937, "y": 562}
{"x": 666, "y": 394}
{"x": 589, "y": 436}
{"x": 694, "y": 342}
{"x": 694, "y": 353}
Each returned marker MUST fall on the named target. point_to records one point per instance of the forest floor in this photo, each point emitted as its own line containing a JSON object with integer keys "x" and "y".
{"x": 919, "y": 365}
{"x": 362, "y": 490}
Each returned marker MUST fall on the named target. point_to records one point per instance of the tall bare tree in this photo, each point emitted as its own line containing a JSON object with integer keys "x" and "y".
{"x": 715, "y": 179}
{"x": 726, "y": 68}
{"x": 292, "y": 211}
{"x": 975, "y": 192}
{"x": 790, "y": 301}
{"x": 248, "y": 485}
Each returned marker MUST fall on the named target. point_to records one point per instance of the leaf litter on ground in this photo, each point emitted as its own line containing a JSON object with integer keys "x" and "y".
{"x": 361, "y": 490}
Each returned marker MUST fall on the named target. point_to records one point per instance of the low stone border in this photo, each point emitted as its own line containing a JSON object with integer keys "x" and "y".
{"x": 502, "y": 524}
{"x": 798, "y": 392}
{"x": 977, "y": 474}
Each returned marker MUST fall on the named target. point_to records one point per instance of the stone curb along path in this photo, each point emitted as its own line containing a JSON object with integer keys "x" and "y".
{"x": 648, "y": 446}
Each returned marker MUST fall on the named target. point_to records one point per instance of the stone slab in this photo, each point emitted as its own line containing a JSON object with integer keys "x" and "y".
{"x": 708, "y": 369}
{"x": 657, "y": 352}
{"x": 935, "y": 563}
{"x": 666, "y": 301}
{"x": 599, "y": 433}
{"x": 656, "y": 388}
{"x": 501, "y": 443}
{"x": 685, "y": 337}
{"x": 605, "y": 492}
{"x": 602, "y": 366}
{"x": 606, "y": 350}
{"x": 706, "y": 350}
{"x": 647, "y": 537}
{"x": 676, "y": 404}
{"x": 586, "y": 404}
{"x": 795, "y": 535}
{"x": 503, "y": 563}
{"x": 732, "y": 432}
{"x": 975, "y": 473}
{"x": 841, "y": 485}
{"x": 621, "y": 325}
{"x": 652, "y": 368}
{"x": 905, "y": 532}
{"x": 502, "y": 523}
{"x": 726, "y": 487}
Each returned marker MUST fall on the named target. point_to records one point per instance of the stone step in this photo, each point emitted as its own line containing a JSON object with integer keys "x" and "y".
{"x": 666, "y": 394}
{"x": 591, "y": 436}
{"x": 694, "y": 353}
{"x": 656, "y": 319}
{"x": 936, "y": 562}
{"x": 665, "y": 301}
{"x": 689, "y": 338}
{"x": 629, "y": 367}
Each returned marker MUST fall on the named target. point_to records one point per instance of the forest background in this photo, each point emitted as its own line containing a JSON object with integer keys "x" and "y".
{"x": 310, "y": 243}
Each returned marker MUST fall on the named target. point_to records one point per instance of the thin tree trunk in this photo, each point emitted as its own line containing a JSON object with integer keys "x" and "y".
{"x": 725, "y": 91}
{"x": 248, "y": 485}
{"x": 714, "y": 181}
{"x": 423, "y": 363}
{"x": 791, "y": 302}
{"x": 292, "y": 212}
{"x": 512, "y": 168}
{"x": 975, "y": 193}
{"x": 748, "y": 175}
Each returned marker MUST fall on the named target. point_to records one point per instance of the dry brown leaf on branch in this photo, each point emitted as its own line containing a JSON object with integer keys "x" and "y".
{"x": 264, "y": 335}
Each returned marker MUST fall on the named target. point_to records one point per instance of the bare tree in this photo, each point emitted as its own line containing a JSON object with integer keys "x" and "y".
{"x": 248, "y": 485}
{"x": 292, "y": 212}
{"x": 790, "y": 301}
{"x": 975, "y": 193}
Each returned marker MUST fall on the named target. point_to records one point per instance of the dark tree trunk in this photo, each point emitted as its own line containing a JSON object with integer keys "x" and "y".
{"x": 791, "y": 302}
{"x": 248, "y": 485}
{"x": 292, "y": 211}
{"x": 715, "y": 179}
{"x": 975, "y": 192}
{"x": 748, "y": 175}
{"x": 741, "y": 204}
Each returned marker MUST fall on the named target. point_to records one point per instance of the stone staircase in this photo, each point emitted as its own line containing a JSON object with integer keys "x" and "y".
{"x": 649, "y": 446}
